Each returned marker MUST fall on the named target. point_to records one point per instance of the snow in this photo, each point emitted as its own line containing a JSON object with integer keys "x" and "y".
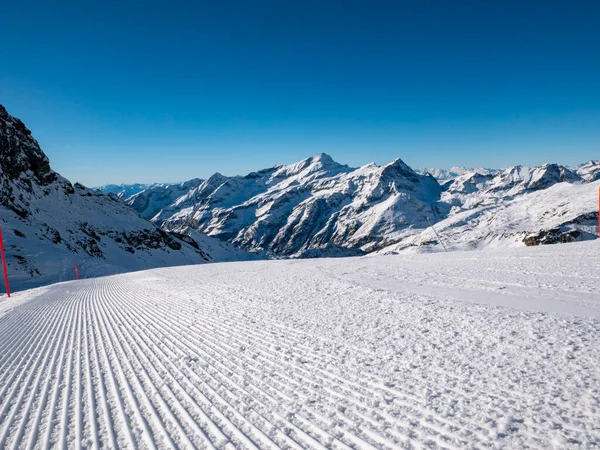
{"x": 446, "y": 350}
{"x": 316, "y": 206}
{"x": 589, "y": 171}
{"x": 34, "y": 258}
{"x": 151, "y": 200}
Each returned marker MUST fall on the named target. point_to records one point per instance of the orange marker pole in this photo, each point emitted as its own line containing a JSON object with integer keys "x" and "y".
{"x": 76, "y": 272}
{"x": 4, "y": 264}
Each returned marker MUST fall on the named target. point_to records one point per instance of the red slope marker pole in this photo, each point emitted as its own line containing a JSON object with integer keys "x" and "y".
{"x": 76, "y": 272}
{"x": 599, "y": 212}
{"x": 4, "y": 264}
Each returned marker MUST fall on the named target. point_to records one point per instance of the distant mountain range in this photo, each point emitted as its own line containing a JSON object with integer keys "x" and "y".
{"x": 313, "y": 208}
{"x": 124, "y": 190}
{"x": 443, "y": 175}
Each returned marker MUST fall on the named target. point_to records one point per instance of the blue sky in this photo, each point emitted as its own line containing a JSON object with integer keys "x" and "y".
{"x": 165, "y": 91}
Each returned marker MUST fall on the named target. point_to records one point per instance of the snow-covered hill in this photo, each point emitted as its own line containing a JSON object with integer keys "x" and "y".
{"x": 494, "y": 349}
{"x": 318, "y": 207}
{"x": 50, "y": 224}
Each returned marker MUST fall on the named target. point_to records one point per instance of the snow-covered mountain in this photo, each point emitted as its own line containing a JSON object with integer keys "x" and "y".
{"x": 518, "y": 206}
{"x": 315, "y": 207}
{"x": 318, "y": 207}
{"x": 590, "y": 171}
{"x": 153, "y": 199}
{"x": 50, "y": 224}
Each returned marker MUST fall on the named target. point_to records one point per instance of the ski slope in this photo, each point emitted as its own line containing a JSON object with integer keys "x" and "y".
{"x": 459, "y": 350}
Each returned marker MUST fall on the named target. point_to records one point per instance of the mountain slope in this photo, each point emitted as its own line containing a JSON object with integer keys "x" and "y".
{"x": 589, "y": 171}
{"x": 150, "y": 201}
{"x": 50, "y": 224}
{"x": 563, "y": 212}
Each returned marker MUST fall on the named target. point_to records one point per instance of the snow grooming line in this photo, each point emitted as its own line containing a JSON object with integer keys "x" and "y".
{"x": 4, "y": 263}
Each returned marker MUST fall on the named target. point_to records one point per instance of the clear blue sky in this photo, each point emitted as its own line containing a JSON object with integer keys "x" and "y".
{"x": 168, "y": 90}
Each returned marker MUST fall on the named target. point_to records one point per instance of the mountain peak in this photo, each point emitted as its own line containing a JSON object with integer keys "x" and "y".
{"x": 323, "y": 157}
{"x": 399, "y": 167}
{"x": 216, "y": 178}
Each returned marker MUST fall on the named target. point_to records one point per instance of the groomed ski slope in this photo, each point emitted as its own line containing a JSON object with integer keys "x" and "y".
{"x": 458, "y": 350}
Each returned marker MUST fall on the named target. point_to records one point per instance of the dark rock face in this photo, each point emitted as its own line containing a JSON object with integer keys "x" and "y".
{"x": 554, "y": 236}
{"x": 20, "y": 152}
{"x": 565, "y": 233}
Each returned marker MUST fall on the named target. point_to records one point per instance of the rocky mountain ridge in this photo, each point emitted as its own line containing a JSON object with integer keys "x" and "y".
{"x": 517, "y": 206}
{"x": 50, "y": 224}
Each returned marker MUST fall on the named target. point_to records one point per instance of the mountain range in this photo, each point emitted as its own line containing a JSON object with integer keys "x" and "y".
{"x": 316, "y": 207}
